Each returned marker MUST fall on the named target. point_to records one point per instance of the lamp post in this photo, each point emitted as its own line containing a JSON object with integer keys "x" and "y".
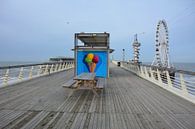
{"x": 123, "y": 55}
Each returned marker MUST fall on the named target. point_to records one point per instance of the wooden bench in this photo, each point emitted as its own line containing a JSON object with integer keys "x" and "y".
{"x": 69, "y": 83}
{"x": 86, "y": 81}
{"x": 101, "y": 82}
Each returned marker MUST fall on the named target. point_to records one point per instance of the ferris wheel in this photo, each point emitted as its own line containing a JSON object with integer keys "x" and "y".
{"x": 162, "y": 47}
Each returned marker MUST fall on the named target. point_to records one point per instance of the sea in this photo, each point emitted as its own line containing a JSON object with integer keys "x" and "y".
{"x": 11, "y": 63}
{"x": 185, "y": 66}
{"x": 180, "y": 66}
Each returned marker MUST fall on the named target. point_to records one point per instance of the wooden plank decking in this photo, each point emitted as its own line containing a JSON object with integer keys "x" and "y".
{"x": 126, "y": 102}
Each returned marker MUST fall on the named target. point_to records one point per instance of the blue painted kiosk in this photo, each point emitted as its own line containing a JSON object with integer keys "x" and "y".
{"x": 92, "y": 53}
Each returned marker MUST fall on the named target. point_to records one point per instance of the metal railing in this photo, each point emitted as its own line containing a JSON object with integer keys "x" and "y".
{"x": 179, "y": 82}
{"x": 18, "y": 73}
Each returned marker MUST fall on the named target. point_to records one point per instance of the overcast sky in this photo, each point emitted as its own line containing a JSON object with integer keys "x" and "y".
{"x": 34, "y": 30}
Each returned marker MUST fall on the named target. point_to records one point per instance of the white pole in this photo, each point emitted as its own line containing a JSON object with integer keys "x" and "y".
{"x": 30, "y": 73}
{"x": 39, "y": 70}
{"x": 159, "y": 78}
{"x": 6, "y": 78}
{"x": 183, "y": 85}
{"x": 20, "y": 76}
{"x": 170, "y": 85}
{"x": 46, "y": 69}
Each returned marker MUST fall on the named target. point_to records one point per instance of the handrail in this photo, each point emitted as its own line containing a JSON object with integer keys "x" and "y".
{"x": 179, "y": 82}
{"x": 27, "y": 65}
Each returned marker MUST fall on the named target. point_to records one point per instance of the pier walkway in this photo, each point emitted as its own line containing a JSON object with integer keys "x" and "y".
{"x": 126, "y": 102}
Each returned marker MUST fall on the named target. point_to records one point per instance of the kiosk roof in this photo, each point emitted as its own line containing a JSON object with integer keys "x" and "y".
{"x": 94, "y": 39}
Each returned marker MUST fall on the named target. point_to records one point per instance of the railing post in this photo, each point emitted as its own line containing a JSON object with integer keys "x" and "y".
{"x": 39, "y": 71}
{"x": 183, "y": 85}
{"x": 128, "y": 67}
{"x": 67, "y": 65}
{"x": 134, "y": 69}
{"x": 46, "y": 69}
{"x": 20, "y": 76}
{"x": 51, "y": 69}
{"x": 151, "y": 74}
{"x": 159, "y": 77}
{"x": 146, "y": 72}
{"x": 63, "y": 66}
{"x": 137, "y": 69}
{"x": 169, "y": 80}
{"x": 141, "y": 71}
{"x": 59, "y": 67}
{"x": 6, "y": 77}
{"x": 56, "y": 68}
{"x": 30, "y": 73}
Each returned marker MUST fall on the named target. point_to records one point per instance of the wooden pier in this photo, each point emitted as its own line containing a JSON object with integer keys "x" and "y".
{"x": 126, "y": 102}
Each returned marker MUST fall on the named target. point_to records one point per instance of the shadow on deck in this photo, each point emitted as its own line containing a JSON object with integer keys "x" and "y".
{"x": 126, "y": 102}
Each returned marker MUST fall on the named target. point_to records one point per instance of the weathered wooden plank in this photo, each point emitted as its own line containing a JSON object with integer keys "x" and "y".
{"x": 15, "y": 123}
{"x": 53, "y": 121}
{"x": 87, "y": 102}
{"x": 91, "y": 122}
{"x": 24, "y": 120}
{"x": 64, "y": 122}
{"x": 35, "y": 121}
{"x": 93, "y": 104}
{"x": 7, "y": 116}
{"x": 79, "y": 121}
{"x": 45, "y": 121}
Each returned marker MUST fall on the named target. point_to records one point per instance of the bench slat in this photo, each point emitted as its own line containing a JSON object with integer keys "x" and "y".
{"x": 85, "y": 76}
{"x": 69, "y": 83}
